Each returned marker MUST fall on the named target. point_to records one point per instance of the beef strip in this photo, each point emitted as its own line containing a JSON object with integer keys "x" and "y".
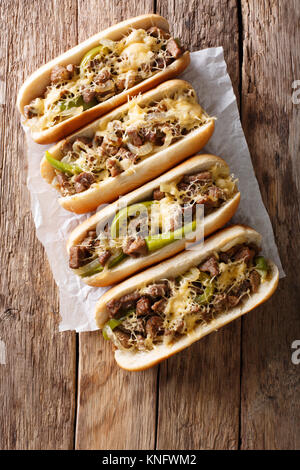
{"x": 159, "y": 306}
{"x": 203, "y": 176}
{"x": 158, "y": 290}
{"x": 77, "y": 256}
{"x": 63, "y": 180}
{"x": 88, "y": 95}
{"x": 103, "y": 257}
{"x": 123, "y": 338}
{"x": 113, "y": 167}
{"x": 126, "y": 302}
{"x": 143, "y": 306}
{"x": 158, "y": 32}
{"x": 83, "y": 181}
{"x": 134, "y": 137}
{"x": 29, "y": 112}
{"x": 60, "y": 73}
{"x": 124, "y": 153}
{"x": 158, "y": 195}
{"x": 103, "y": 76}
{"x": 224, "y": 257}
{"x": 135, "y": 247}
{"x": 155, "y": 136}
{"x": 210, "y": 265}
{"x": 173, "y": 49}
{"x": 244, "y": 253}
{"x": 154, "y": 326}
{"x": 215, "y": 194}
{"x": 220, "y": 303}
{"x": 254, "y": 278}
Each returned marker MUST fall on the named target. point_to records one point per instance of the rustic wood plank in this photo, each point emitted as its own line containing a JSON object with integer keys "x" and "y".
{"x": 270, "y": 382}
{"x": 199, "y": 389}
{"x": 116, "y": 409}
{"x": 37, "y": 384}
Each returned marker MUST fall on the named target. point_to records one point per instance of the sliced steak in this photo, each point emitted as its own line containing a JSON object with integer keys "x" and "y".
{"x": 88, "y": 95}
{"x": 154, "y": 326}
{"x": 158, "y": 32}
{"x": 134, "y": 137}
{"x": 159, "y": 290}
{"x": 60, "y": 73}
{"x": 254, "y": 281}
{"x": 203, "y": 176}
{"x": 83, "y": 181}
{"x": 126, "y": 302}
{"x": 124, "y": 153}
{"x": 103, "y": 257}
{"x": 244, "y": 253}
{"x": 173, "y": 49}
{"x": 78, "y": 256}
{"x": 210, "y": 265}
{"x": 113, "y": 167}
{"x": 135, "y": 247}
{"x": 143, "y": 306}
{"x": 123, "y": 338}
{"x": 220, "y": 302}
{"x": 103, "y": 76}
{"x": 159, "y": 306}
{"x": 224, "y": 257}
{"x": 158, "y": 195}
{"x": 29, "y": 112}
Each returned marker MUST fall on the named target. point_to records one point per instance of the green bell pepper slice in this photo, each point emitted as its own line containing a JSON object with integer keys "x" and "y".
{"x": 156, "y": 242}
{"x": 261, "y": 266}
{"x": 117, "y": 260}
{"x": 206, "y": 297}
{"x": 63, "y": 105}
{"x": 111, "y": 324}
{"x": 89, "y": 269}
{"x": 120, "y": 219}
{"x": 61, "y": 166}
{"x": 91, "y": 54}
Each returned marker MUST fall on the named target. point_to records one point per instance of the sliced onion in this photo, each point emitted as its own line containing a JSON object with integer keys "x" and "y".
{"x": 142, "y": 150}
{"x": 167, "y": 142}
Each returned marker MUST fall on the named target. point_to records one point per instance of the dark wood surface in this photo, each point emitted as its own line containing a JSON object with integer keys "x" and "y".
{"x": 237, "y": 388}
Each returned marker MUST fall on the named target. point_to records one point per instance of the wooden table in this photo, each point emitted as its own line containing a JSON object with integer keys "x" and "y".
{"x": 236, "y": 389}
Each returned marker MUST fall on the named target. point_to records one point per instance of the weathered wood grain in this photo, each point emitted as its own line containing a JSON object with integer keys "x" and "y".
{"x": 270, "y": 412}
{"x": 199, "y": 389}
{"x": 37, "y": 384}
{"x": 116, "y": 409}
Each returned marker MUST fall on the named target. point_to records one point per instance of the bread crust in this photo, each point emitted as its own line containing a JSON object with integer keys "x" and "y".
{"x": 35, "y": 85}
{"x": 151, "y": 167}
{"x": 222, "y": 240}
{"x": 212, "y": 222}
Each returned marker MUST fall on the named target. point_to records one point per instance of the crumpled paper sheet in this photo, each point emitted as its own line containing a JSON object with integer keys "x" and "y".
{"x": 208, "y": 75}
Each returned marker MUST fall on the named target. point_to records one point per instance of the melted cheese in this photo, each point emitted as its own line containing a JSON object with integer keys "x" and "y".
{"x": 230, "y": 274}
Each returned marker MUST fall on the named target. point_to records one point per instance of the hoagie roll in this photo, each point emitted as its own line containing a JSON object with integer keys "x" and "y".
{"x": 166, "y": 308}
{"x": 98, "y": 75}
{"x": 160, "y": 218}
{"x": 127, "y": 147}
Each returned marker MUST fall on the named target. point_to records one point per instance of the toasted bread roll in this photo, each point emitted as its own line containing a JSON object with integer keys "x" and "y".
{"x": 202, "y": 179}
{"x": 127, "y": 147}
{"x": 98, "y": 75}
{"x": 166, "y": 308}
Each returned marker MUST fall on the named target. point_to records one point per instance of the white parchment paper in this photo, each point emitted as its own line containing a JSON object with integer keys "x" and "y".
{"x": 208, "y": 75}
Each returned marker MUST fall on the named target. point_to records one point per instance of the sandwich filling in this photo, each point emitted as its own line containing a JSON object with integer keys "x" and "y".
{"x": 164, "y": 311}
{"x": 105, "y": 71}
{"x": 144, "y": 227}
{"x": 118, "y": 145}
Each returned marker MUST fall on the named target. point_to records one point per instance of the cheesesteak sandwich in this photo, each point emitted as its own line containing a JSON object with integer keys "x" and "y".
{"x": 98, "y": 75}
{"x": 166, "y": 308}
{"x": 154, "y": 222}
{"x": 129, "y": 146}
